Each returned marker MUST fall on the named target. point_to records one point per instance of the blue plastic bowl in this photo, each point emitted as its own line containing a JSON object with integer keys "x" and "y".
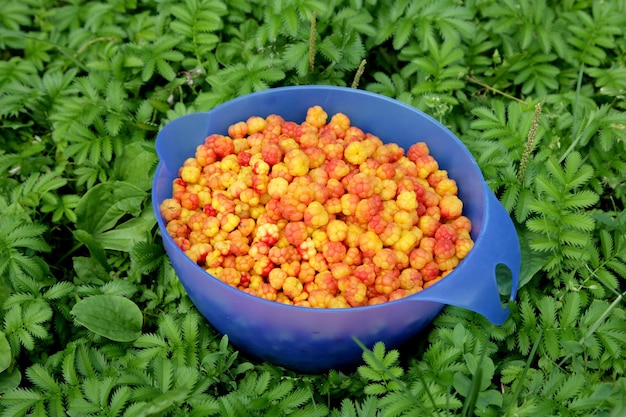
{"x": 315, "y": 340}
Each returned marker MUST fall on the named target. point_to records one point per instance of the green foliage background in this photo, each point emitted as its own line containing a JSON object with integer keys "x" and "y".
{"x": 535, "y": 89}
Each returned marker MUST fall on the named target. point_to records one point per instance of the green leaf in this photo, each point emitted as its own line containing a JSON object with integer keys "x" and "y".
{"x": 136, "y": 165}
{"x": 125, "y": 235}
{"x": 103, "y": 205}
{"x": 90, "y": 271}
{"x": 111, "y": 316}
{"x": 95, "y": 248}
{"x": 5, "y": 353}
{"x": 532, "y": 261}
{"x": 10, "y": 380}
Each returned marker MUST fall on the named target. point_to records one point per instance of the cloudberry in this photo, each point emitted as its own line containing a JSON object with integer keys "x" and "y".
{"x": 277, "y": 187}
{"x": 333, "y": 251}
{"x": 318, "y": 262}
{"x": 426, "y": 165}
{"x": 446, "y": 187}
{"x": 267, "y": 292}
{"x": 276, "y": 278}
{"x": 223, "y": 146}
{"x": 385, "y": 259}
{"x": 316, "y": 156}
{"x": 316, "y": 116}
{"x": 430, "y": 271}
{"x": 297, "y": 162}
{"x": 307, "y": 249}
{"x": 319, "y": 192}
{"x": 334, "y": 151}
{"x": 353, "y": 290}
{"x": 205, "y": 155}
{"x": 387, "y": 282}
{"x": 319, "y": 298}
{"x": 444, "y": 249}
{"x": 361, "y": 185}
{"x": 271, "y": 153}
{"x": 190, "y": 174}
{"x": 326, "y": 281}
{"x": 447, "y": 264}
{"x": 356, "y": 153}
{"x": 238, "y": 130}
{"x": 463, "y": 246}
{"x": 292, "y": 287}
{"x": 279, "y": 170}
{"x": 292, "y": 268}
{"x": 336, "y": 230}
{"x": 307, "y": 273}
{"x": 267, "y": 233}
{"x": 296, "y": 233}
{"x": 316, "y": 215}
{"x": 353, "y": 256}
{"x": 407, "y": 241}
{"x": 410, "y": 279}
{"x": 308, "y": 140}
{"x": 450, "y": 206}
{"x": 428, "y": 225}
{"x": 255, "y": 124}
{"x": 170, "y": 209}
{"x": 417, "y": 150}
{"x": 370, "y": 243}
{"x": 352, "y": 235}
{"x": 367, "y": 208}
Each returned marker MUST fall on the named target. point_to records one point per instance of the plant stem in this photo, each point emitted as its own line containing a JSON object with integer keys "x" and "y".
{"x": 492, "y": 89}
{"x": 520, "y": 380}
{"x": 91, "y": 42}
{"x": 575, "y": 139}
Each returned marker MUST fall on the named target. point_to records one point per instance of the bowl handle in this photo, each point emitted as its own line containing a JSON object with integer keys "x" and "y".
{"x": 474, "y": 286}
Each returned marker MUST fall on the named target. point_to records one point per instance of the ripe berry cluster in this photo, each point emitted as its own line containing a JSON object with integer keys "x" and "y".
{"x": 317, "y": 214}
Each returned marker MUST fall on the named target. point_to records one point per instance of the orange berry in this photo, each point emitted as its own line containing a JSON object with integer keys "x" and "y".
{"x": 316, "y": 116}
{"x": 451, "y": 207}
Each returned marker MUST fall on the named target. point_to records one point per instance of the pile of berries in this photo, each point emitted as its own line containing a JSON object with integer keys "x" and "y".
{"x": 317, "y": 214}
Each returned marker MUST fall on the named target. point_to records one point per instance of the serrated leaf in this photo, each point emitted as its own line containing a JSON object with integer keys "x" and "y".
{"x": 290, "y": 21}
{"x": 59, "y": 290}
{"x": 581, "y": 199}
{"x": 578, "y": 221}
{"x": 41, "y": 378}
{"x": 111, "y": 316}
{"x": 296, "y": 56}
{"x": 329, "y": 50}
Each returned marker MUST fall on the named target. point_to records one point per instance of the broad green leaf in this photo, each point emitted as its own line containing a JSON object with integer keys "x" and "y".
{"x": 5, "y": 353}
{"x": 103, "y": 205}
{"x": 136, "y": 165}
{"x": 124, "y": 236}
{"x": 532, "y": 261}
{"x": 111, "y": 316}
{"x": 10, "y": 380}
{"x": 95, "y": 248}
{"x": 90, "y": 271}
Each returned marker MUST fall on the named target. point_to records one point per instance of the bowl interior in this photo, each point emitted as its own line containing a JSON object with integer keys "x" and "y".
{"x": 389, "y": 119}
